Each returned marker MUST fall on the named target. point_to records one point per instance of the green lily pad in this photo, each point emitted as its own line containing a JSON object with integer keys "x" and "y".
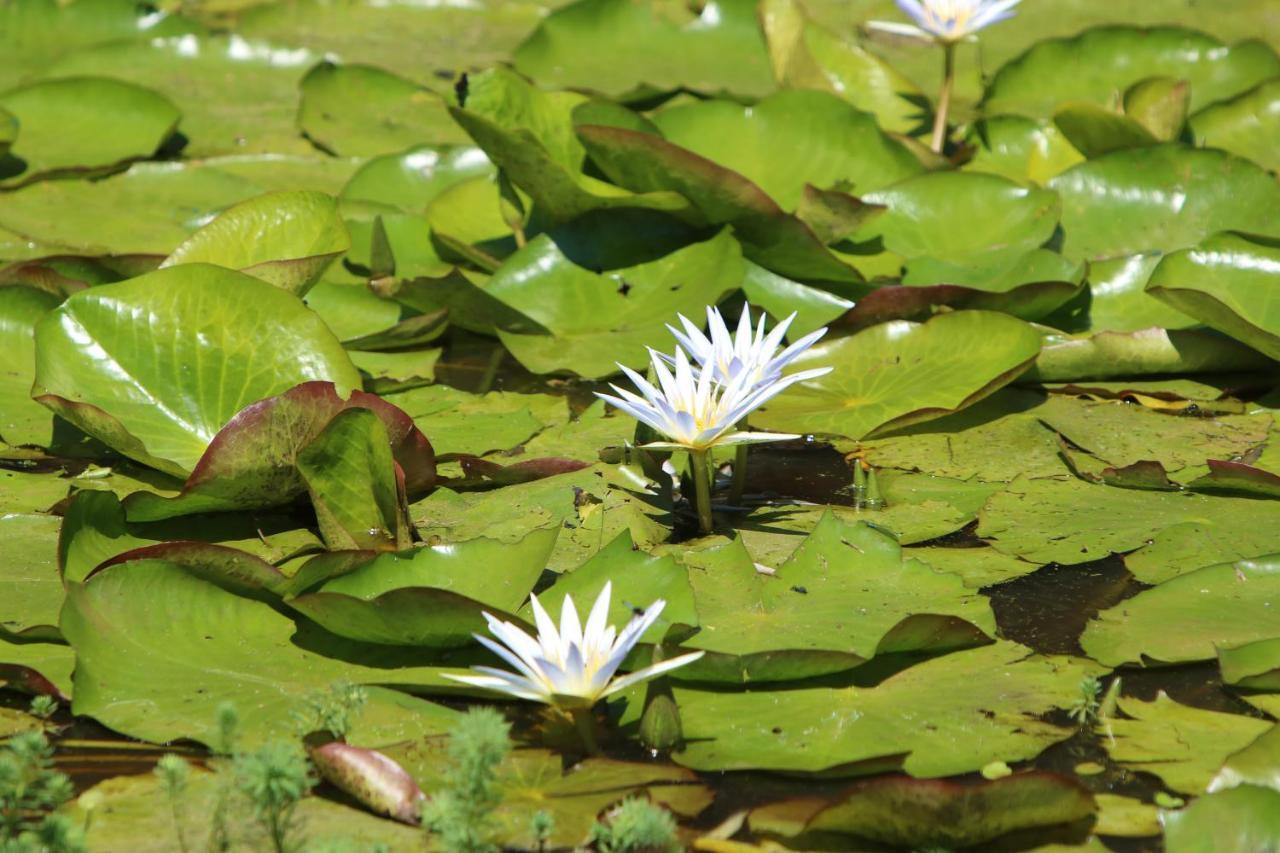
{"x": 459, "y": 422}
{"x": 1182, "y": 745}
{"x": 23, "y": 421}
{"x": 1161, "y": 198}
{"x": 285, "y": 238}
{"x": 1020, "y": 149}
{"x": 807, "y": 55}
{"x": 1168, "y": 533}
{"x": 592, "y": 321}
{"x": 421, "y": 40}
{"x": 363, "y": 111}
{"x": 1246, "y": 125}
{"x": 136, "y": 813}
{"x": 1254, "y": 665}
{"x": 1100, "y": 62}
{"x": 969, "y": 708}
{"x": 96, "y": 367}
{"x": 237, "y": 95}
{"x": 30, "y": 574}
{"x": 959, "y": 445}
{"x": 1218, "y": 606}
{"x": 160, "y": 673}
{"x": 791, "y": 139}
{"x": 351, "y": 477}
{"x": 36, "y": 667}
{"x": 645, "y": 163}
{"x": 842, "y": 597}
{"x": 252, "y": 462}
{"x": 534, "y": 780}
{"x": 83, "y": 124}
{"x": 1144, "y": 352}
{"x": 1229, "y": 282}
{"x": 900, "y": 373}
{"x": 1119, "y": 302}
{"x": 1121, "y": 435}
{"x": 352, "y": 310}
{"x": 95, "y": 531}
{"x": 430, "y": 596}
{"x": 978, "y": 567}
{"x": 30, "y": 492}
{"x": 1256, "y": 764}
{"x": 779, "y": 296}
{"x": 413, "y": 178}
{"x": 153, "y": 207}
{"x": 919, "y": 813}
{"x": 1003, "y": 220}
{"x": 619, "y": 47}
{"x": 36, "y": 32}
{"x": 1242, "y": 819}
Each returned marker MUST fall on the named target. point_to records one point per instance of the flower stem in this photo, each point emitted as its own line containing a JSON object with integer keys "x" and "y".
{"x": 586, "y": 730}
{"x": 944, "y": 98}
{"x": 739, "y": 483}
{"x": 702, "y": 489}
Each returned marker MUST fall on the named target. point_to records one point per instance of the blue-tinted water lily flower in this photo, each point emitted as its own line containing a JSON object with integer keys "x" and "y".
{"x": 573, "y": 667}
{"x": 948, "y": 21}
{"x": 749, "y": 351}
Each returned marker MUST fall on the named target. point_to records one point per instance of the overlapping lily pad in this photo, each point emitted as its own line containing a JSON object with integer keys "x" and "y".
{"x": 1244, "y": 125}
{"x": 23, "y": 421}
{"x": 896, "y": 374}
{"x": 111, "y": 360}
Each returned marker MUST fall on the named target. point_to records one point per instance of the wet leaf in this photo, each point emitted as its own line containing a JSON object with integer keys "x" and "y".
{"x": 82, "y": 124}
{"x": 252, "y": 462}
{"x": 285, "y": 238}
{"x": 1020, "y": 149}
{"x": 1119, "y": 301}
{"x": 364, "y": 111}
{"x": 1102, "y": 61}
{"x": 896, "y": 374}
{"x": 1182, "y": 745}
{"x": 1228, "y": 282}
{"x": 160, "y": 673}
{"x": 969, "y": 708}
{"x": 1242, "y": 819}
{"x": 459, "y": 422}
{"x": 1168, "y": 533}
{"x": 1164, "y": 198}
{"x": 29, "y": 573}
{"x": 23, "y": 420}
{"x": 1217, "y": 607}
{"x": 1150, "y": 351}
{"x": 1244, "y": 125}
{"x": 411, "y": 179}
{"x": 622, "y": 48}
{"x": 1252, "y": 665}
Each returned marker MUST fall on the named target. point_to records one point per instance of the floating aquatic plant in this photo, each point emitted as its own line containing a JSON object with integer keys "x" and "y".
{"x": 946, "y": 22}
{"x": 704, "y": 408}
{"x": 573, "y": 667}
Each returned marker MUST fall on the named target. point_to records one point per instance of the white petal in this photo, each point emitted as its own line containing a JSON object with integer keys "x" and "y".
{"x": 650, "y": 671}
{"x": 597, "y": 621}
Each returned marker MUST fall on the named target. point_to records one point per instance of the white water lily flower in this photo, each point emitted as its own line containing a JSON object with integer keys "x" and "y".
{"x": 697, "y": 411}
{"x": 947, "y": 21}
{"x": 571, "y": 668}
{"x": 753, "y": 353}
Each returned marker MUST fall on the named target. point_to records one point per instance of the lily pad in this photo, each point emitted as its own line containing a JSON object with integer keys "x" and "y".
{"x": 83, "y": 124}
{"x": 1256, "y": 764}
{"x": 620, "y": 48}
{"x": 1020, "y": 149}
{"x": 1162, "y": 198}
{"x": 791, "y": 139}
{"x": 1218, "y": 606}
{"x": 1119, "y": 302}
{"x": 429, "y": 596}
{"x": 237, "y": 95}
{"x": 843, "y": 596}
{"x": 1230, "y": 282}
{"x": 364, "y": 111}
{"x": 1242, "y": 819}
{"x": 252, "y": 461}
{"x": 96, "y": 358}
{"x": 285, "y": 238}
{"x": 1244, "y": 125}
{"x": 898, "y": 373}
{"x": 458, "y": 422}
{"x": 807, "y": 55}
{"x": 1100, "y": 62}
{"x": 411, "y": 179}
{"x": 30, "y": 574}
{"x": 1168, "y": 533}
{"x": 589, "y": 322}
{"x": 1255, "y": 665}
{"x": 1182, "y": 745}
{"x": 1005, "y": 220}
{"x": 42, "y": 668}
{"x": 23, "y": 421}
{"x": 969, "y": 708}
{"x": 1144, "y": 352}
{"x": 160, "y": 673}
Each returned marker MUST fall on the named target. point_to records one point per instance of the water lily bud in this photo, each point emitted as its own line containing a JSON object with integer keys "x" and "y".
{"x": 660, "y": 727}
{"x": 372, "y": 778}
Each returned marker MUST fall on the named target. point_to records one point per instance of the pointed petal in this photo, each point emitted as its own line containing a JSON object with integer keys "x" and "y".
{"x": 650, "y": 671}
